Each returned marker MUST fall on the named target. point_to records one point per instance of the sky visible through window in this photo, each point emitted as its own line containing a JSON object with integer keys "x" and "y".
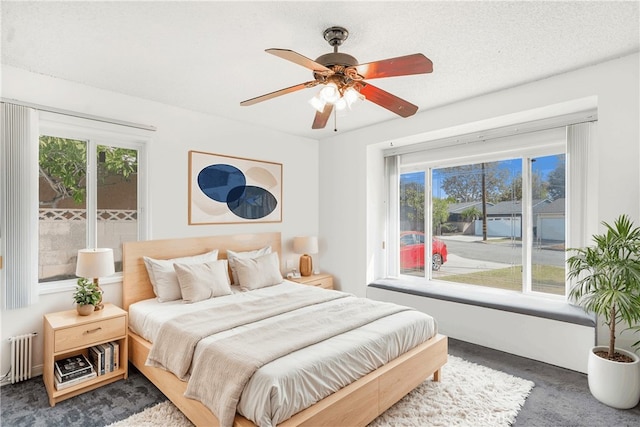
{"x": 543, "y": 165}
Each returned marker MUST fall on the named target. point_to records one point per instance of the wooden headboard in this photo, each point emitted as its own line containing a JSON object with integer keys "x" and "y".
{"x": 135, "y": 280}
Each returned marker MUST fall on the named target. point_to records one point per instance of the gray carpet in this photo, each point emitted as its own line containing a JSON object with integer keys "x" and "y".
{"x": 560, "y": 397}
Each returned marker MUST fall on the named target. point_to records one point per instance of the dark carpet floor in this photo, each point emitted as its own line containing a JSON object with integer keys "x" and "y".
{"x": 560, "y": 398}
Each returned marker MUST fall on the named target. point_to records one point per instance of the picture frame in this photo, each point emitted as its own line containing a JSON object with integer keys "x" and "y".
{"x": 233, "y": 190}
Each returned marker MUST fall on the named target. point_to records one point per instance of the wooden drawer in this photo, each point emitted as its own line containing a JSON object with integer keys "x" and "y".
{"x": 325, "y": 282}
{"x": 89, "y": 334}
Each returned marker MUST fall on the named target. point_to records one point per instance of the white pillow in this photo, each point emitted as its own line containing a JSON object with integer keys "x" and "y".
{"x": 203, "y": 281}
{"x": 260, "y": 272}
{"x": 163, "y": 277}
{"x": 233, "y": 256}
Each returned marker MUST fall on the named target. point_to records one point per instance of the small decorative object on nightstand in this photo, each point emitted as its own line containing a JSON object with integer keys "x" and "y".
{"x": 87, "y": 295}
{"x": 321, "y": 280}
{"x": 66, "y": 334}
{"x": 305, "y": 245}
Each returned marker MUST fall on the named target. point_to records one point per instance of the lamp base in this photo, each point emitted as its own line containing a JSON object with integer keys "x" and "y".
{"x": 306, "y": 265}
{"x": 99, "y": 305}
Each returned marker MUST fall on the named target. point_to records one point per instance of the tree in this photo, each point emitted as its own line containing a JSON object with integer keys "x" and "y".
{"x": 464, "y": 183}
{"x": 63, "y": 166}
{"x": 412, "y": 204}
{"x": 471, "y": 213}
{"x": 440, "y": 213}
{"x": 556, "y": 179}
{"x": 539, "y": 188}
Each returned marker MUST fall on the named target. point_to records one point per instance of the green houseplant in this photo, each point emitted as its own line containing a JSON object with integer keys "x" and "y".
{"x": 607, "y": 278}
{"x": 87, "y": 295}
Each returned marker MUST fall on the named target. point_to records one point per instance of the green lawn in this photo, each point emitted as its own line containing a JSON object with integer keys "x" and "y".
{"x": 546, "y": 278}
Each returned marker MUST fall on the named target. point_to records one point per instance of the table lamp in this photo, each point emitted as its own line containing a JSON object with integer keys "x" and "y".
{"x": 95, "y": 263}
{"x": 305, "y": 245}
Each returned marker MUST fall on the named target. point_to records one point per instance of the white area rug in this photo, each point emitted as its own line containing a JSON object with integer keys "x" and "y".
{"x": 468, "y": 395}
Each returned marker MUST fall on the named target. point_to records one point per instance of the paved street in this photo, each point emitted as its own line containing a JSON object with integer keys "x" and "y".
{"x": 469, "y": 254}
{"x": 501, "y": 251}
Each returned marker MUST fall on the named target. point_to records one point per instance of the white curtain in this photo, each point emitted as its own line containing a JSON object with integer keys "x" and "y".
{"x": 393, "y": 215}
{"x": 19, "y": 202}
{"x": 581, "y": 178}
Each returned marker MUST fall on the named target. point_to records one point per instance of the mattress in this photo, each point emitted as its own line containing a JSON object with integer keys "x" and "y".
{"x": 281, "y": 388}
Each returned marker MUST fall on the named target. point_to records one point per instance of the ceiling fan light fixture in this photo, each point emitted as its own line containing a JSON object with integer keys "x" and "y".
{"x": 351, "y": 96}
{"x": 341, "y": 104}
{"x": 317, "y": 103}
{"x": 330, "y": 93}
{"x": 344, "y": 78}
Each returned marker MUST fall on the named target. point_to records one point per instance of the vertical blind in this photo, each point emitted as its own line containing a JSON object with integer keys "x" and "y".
{"x": 393, "y": 215}
{"x": 580, "y": 205}
{"x": 19, "y": 200}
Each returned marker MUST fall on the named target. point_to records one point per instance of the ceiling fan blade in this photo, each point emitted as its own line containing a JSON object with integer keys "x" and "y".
{"x": 296, "y": 58}
{"x": 386, "y": 100}
{"x": 278, "y": 93}
{"x": 392, "y": 67}
{"x": 320, "y": 121}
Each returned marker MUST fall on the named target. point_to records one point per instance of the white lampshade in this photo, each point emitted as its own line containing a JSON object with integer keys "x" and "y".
{"x": 352, "y": 97}
{"x": 305, "y": 245}
{"x": 329, "y": 93}
{"x": 93, "y": 263}
{"x": 317, "y": 103}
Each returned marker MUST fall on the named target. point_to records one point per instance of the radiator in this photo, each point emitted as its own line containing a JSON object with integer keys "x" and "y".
{"x": 21, "y": 350}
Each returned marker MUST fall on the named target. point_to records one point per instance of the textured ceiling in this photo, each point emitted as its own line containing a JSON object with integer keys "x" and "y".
{"x": 209, "y": 56}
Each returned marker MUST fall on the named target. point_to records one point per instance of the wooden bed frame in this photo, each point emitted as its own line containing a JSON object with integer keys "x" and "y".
{"x": 355, "y": 405}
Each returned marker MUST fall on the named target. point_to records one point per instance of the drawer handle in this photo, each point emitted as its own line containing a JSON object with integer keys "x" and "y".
{"x": 93, "y": 330}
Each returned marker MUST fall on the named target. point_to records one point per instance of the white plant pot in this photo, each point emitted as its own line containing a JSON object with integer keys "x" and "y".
{"x": 615, "y": 384}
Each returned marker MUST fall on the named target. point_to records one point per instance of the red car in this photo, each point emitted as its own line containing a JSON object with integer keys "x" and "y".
{"x": 412, "y": 251}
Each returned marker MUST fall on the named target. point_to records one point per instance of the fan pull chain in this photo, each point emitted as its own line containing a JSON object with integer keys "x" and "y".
{"x": 335, "y": 120}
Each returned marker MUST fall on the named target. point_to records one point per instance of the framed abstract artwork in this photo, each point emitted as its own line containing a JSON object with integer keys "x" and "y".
{"x": 228, "y": 190}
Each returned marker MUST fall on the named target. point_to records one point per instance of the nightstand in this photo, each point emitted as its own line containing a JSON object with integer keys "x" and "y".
{"x": 322, "y": 280}
{"x": 66, "y": 333}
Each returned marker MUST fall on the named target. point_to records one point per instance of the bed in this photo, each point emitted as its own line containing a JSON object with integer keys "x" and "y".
{"x": 357, "y": 403}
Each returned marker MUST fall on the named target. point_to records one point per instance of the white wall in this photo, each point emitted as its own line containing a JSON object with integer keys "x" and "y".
{"x": 178, "y": 131}
{"x": 350, "y": 190}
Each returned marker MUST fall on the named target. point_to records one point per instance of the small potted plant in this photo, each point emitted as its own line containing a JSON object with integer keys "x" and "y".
{"x": 86, "y": 296}
{"x": 608, "y": 284}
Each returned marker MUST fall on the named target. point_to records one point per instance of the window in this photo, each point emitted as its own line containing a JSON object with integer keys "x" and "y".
{"x": 73, "y": 174}
{"x": 67, "y": 181}
{"x": 495, "y": 212}
{"x": 91, "y": 191}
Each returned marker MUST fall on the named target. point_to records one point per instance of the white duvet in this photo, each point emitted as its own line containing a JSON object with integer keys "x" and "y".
{"x": 294, "y": 382}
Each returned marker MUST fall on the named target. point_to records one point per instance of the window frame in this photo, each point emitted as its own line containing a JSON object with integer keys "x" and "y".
{"x": 98, "y": 133}
{"x": 424, "y": 159}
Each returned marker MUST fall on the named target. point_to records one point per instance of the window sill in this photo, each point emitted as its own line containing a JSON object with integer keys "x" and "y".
{"x": 70, "y": 284}
{"x": 485, "y": 297}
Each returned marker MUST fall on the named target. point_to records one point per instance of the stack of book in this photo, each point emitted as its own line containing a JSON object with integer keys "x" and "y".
{"x": 105, "y": 357}
{"x": 72, "y": 370}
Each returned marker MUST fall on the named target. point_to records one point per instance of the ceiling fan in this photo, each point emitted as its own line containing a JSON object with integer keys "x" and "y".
{"x": 344, "y": 79}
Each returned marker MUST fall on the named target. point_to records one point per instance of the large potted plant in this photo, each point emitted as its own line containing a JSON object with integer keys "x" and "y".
{"x": 607, "y": 278}
{"x": 87, "y": 295}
